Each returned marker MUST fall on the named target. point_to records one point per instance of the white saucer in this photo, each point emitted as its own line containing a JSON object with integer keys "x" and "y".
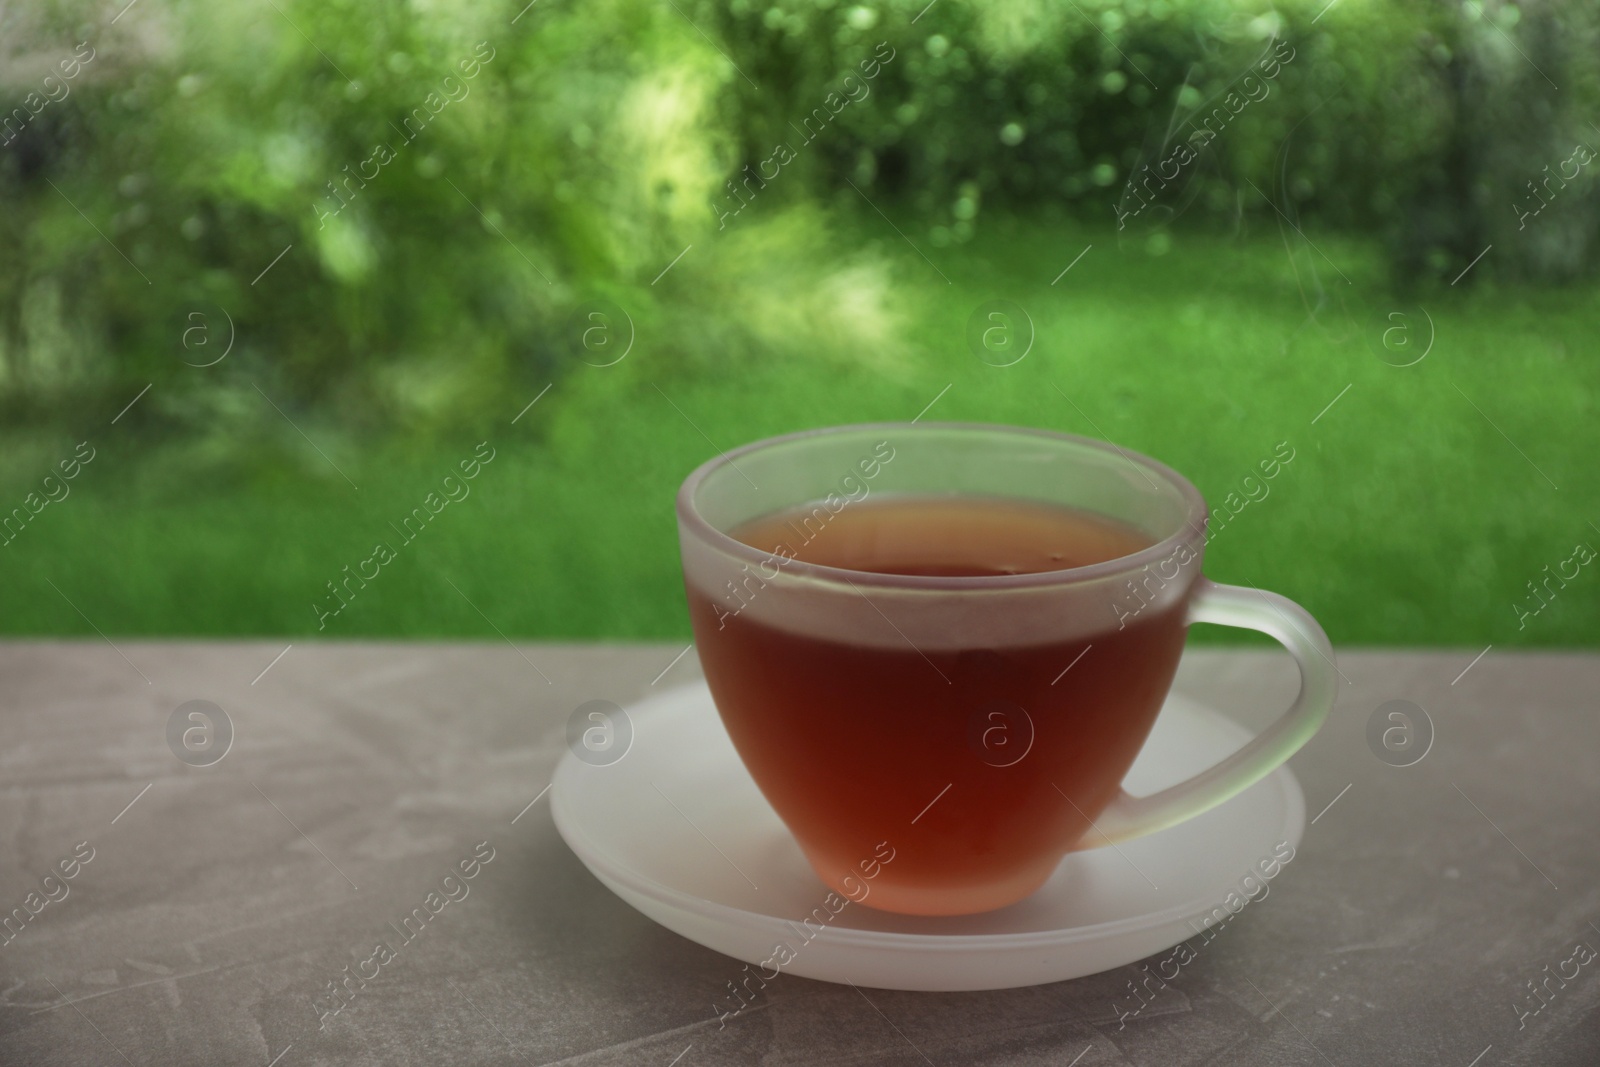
{"x": 678, "y": 829}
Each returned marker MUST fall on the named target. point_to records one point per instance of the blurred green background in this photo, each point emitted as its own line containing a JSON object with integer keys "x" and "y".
{"x": 279, "y": 267}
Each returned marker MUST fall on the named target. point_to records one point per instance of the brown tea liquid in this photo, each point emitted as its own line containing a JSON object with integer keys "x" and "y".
{"x": 961, "y": 536}
{"x": 852, "y": 739}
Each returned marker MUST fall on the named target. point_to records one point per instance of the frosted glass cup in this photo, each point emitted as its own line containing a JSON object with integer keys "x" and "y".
{"x": 936, "y": 745}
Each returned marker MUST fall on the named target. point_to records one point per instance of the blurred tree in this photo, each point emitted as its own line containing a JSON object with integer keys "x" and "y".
{"x": 398, "y": 214}
{"x": 1512, "y": 146}
{"x": 1414, "y": 120}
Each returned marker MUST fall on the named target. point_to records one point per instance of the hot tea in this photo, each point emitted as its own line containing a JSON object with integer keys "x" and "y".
{"x": 931, "y": 732}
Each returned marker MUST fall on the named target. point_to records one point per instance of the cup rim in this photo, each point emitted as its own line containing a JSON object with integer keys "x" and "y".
{"x": 1196, "y": 516}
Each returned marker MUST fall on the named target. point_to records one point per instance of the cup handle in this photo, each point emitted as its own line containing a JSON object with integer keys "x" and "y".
{"x": 1128, "y": 816}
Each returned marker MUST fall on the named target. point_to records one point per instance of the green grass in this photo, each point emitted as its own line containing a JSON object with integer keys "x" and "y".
{"x": 1405, "y": 516}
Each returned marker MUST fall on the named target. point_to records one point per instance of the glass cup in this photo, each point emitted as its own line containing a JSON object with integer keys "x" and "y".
{"x": 973, "y": 730}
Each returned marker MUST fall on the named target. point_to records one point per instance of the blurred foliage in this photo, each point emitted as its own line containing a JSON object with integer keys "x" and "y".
{"x": 1420, "y": 120}
{"x": 443, "y": 233}
{"x": 445, "y": 230}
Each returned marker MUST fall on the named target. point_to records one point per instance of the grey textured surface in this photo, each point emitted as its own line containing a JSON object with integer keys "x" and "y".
{"x": 216, "y": 909}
